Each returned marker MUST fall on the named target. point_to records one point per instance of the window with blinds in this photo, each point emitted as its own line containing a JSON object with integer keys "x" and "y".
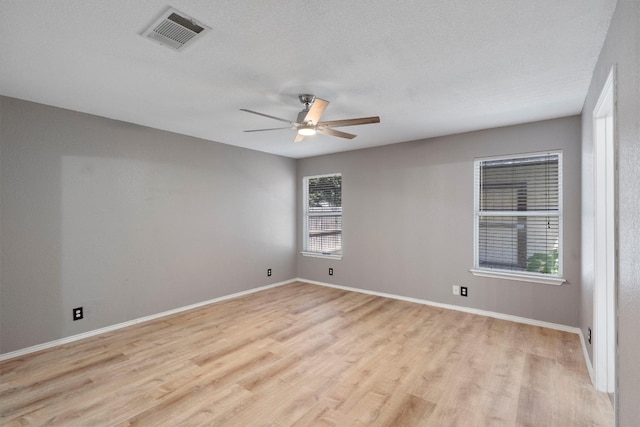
{"x": 518, "y": 219}
{"x": 322, "y": 221}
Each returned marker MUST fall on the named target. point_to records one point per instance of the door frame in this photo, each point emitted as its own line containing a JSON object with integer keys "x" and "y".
{"x": 605, "y": 240}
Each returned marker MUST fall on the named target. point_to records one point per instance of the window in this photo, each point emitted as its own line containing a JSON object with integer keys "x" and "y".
{"x": 323, "y": 215}
{"x": 518, "y": 218}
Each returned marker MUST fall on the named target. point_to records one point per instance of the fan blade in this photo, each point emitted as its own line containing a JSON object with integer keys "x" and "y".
{"x": 350, "y": 122}
{"x": 262, "y": 130}
{"x": 298, "y": 138}
{"x": 333, "y": 132}
{"x": 268, "y": 116}
{"x": 316, "y": 110}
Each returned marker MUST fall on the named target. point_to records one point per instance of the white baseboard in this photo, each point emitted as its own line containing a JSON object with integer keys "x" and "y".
{"x": 587, "y": 360}
{"x": 493, "y": 314}
{"x": 55, "y": 343}
{"x": 496, "y": 315}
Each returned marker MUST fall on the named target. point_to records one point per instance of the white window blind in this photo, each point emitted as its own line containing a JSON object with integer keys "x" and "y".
{"x": 323, "y": 215}
{"x": 518, "y": 220}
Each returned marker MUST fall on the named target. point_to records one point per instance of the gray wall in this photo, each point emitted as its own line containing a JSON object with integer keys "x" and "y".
{"x": 622, "y": 48}
{"x": 129, "y": 221}
{"x": 408, "y": 220}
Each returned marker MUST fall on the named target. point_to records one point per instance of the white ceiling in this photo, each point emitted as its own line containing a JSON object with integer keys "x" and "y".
{"x": 426, "y": 67}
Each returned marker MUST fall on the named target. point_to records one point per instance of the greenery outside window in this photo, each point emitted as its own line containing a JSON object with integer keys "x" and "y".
{"x": 518, "y": 217}
{"x": 322, "y": 215}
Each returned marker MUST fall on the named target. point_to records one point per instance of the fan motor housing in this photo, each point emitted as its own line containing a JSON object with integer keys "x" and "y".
{"x": 307, "y": 99}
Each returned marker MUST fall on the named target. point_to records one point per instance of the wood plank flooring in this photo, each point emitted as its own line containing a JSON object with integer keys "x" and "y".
{"x": 306, "y": 355}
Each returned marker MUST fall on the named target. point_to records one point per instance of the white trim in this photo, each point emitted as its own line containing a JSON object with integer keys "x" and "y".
{"x": 493, "y": 314}
{"x": 512, "y": 275}
{"x": 323, "y": 175}
{"x": 477, "y": 270}
{"x": 306, "y": 214}
{"x": 518, "y": 155}
{"x": 88, "y": 334}
{"x": 587, "y": 360}
{"x": 320, "y": 255}
{"x": 604, "y": 295}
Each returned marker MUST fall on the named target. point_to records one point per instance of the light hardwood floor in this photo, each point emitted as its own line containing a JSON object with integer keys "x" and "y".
{"x": 306, "y": 355}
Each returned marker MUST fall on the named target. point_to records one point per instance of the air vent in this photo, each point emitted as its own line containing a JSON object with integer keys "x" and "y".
{"x": 175, "y": 29}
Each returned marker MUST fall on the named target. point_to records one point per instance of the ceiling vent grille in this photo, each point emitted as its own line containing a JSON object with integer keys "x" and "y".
{"x": 175, "y": 29}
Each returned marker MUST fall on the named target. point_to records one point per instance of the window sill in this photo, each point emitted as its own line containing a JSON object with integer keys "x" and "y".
{"x": 320, "y": 255}
{"x": 534, "y": 278}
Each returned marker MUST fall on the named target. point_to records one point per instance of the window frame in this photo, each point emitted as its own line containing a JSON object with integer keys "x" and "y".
{"x": 498, "y": 273}
{"x": 306, "y": 214}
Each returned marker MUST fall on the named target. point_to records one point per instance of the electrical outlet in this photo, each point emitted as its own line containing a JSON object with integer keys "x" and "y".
{"x": 77, "y": 314}
{"x": 330, "y": 271}
{"x": 456, "y": 290}
{"x": 268, "y": 272}
{"x": 463, "y": 291}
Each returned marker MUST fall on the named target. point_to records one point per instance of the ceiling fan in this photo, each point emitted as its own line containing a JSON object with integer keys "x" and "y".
{"x": 308, "y": 122}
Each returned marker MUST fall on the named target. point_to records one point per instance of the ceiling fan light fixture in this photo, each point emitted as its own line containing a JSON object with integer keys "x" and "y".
{"x": 308, "y": 122}
{"x": 306, "y": 131}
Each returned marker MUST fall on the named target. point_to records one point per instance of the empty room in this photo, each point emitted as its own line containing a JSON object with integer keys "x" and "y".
{"x": 286, "y": 213}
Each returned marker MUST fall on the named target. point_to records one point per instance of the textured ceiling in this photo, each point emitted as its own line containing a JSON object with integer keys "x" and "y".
{"x": 427, "y": 68}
